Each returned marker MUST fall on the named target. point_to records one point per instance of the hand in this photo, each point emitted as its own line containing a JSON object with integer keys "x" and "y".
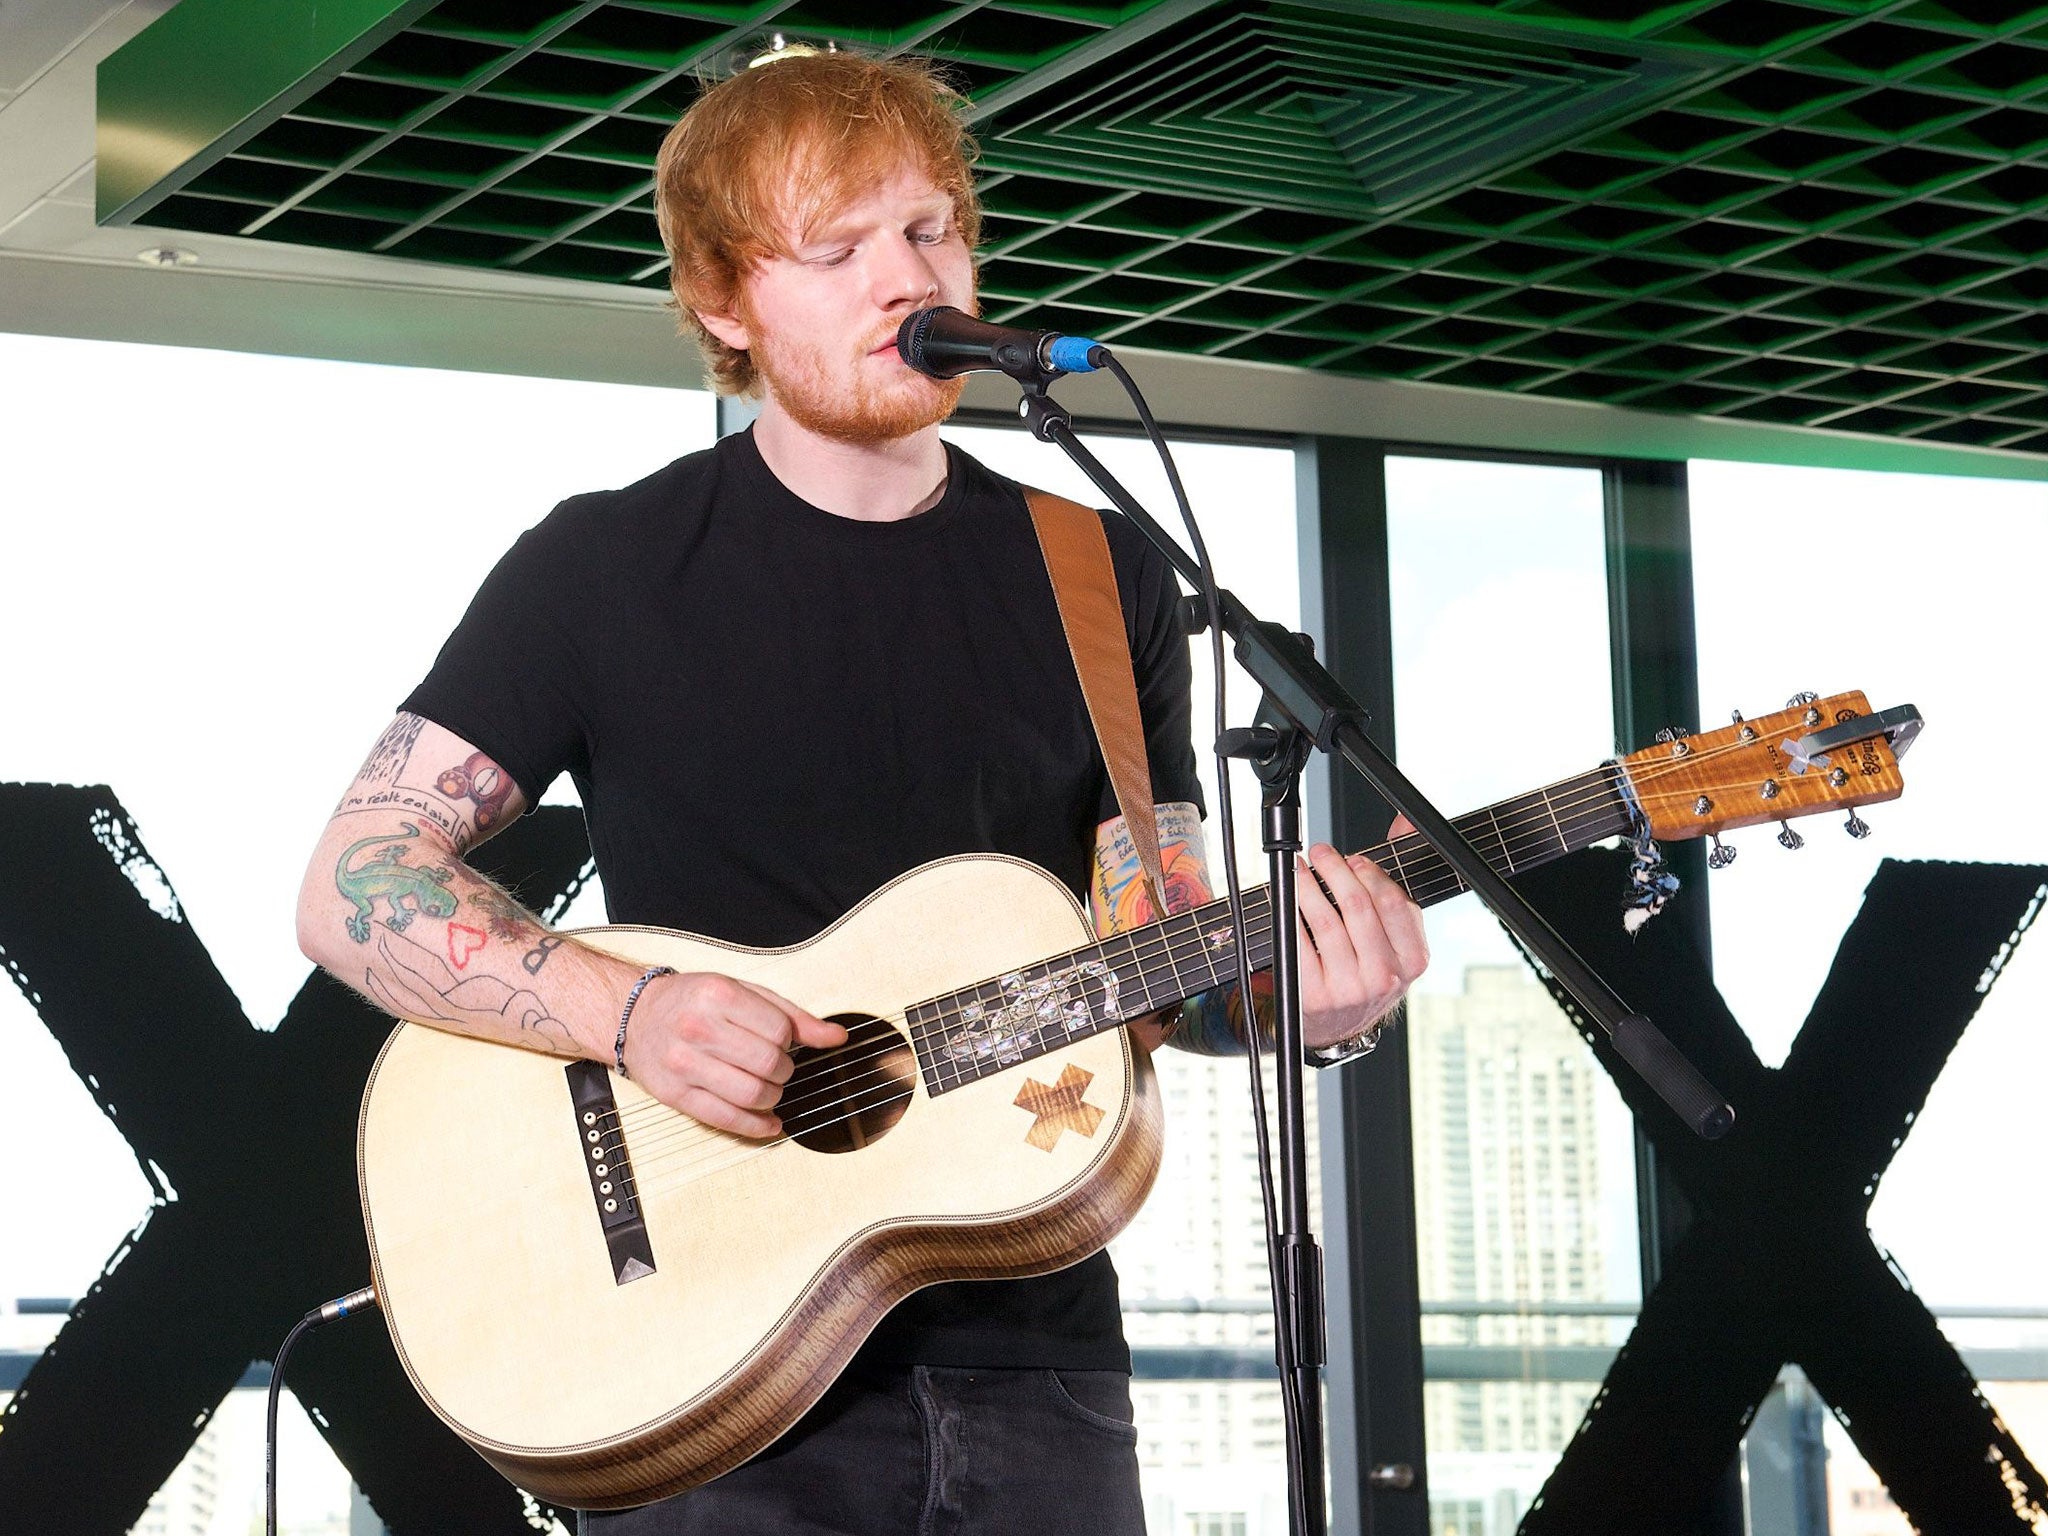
{"x": 717, "y": 1048}
{"x": 1360, "y": 954}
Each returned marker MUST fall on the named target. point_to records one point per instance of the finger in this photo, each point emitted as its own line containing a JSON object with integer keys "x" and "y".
{"x": 1400, "y": 918}
{"x": 1324, "y": 924}
{"x": 804, "y": 1027}
{"x": 735, "y": 1085}
{"x": 747, "y": 1051}
{"x": 1353, "y": 897}
{"x": 1314, "y": 985}
{"x": 716, "y": 1113}
{"x": 1401, "y": 828}
{"x": 819, "y": 1034}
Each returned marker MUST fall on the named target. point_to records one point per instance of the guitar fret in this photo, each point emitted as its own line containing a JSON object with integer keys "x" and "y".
{"x": 1500, "y": 841}
{"x": 1159, "y": 965}
{"x": 1555, "y": 825}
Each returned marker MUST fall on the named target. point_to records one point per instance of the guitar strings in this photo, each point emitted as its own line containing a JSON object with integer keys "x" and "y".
{"x": 1427, "y": 887}
{"x": 852, "y": 1096}
{"x": 1176, "y": 949}
{"x": 720, "y": 1150}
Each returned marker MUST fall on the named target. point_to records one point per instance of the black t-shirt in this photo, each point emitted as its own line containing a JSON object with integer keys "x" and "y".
{"x": 769, "y": 711}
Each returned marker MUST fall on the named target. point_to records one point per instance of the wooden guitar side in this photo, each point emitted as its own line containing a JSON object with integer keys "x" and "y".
{"x": 773, "y": 1263}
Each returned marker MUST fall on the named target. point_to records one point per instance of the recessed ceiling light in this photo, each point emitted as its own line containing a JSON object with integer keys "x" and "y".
{"x": 167, "y": 256}
{"x": 779, "y": 47}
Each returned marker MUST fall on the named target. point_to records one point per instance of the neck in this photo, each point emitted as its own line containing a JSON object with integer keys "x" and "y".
{"x": 869, "y": 482}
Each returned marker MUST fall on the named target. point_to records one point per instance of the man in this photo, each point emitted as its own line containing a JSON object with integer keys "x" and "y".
{"x": 781, "y": 672}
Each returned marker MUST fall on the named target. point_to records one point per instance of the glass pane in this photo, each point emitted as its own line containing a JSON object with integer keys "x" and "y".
{"x": 1525, "y": 1169}
{"x": 1193, "y": 1264}
{"x": 1953, "y": 566}
{"x": 265, "y": 537}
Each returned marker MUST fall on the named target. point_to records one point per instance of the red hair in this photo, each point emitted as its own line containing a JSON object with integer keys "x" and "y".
{"x": 762, "y": 158}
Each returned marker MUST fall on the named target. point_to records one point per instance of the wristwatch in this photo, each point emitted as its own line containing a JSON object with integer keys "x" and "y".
{"x": 1361, "y": 1044}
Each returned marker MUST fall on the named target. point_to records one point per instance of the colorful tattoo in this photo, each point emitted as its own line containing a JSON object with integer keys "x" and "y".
{"x": 481, "y": 782}
{"x": 463, "y": 942}
{"x": 1212, "y": 1023}
{"x": 387, "y": 877}
{"x": 507, "y": 919}
{"x": 461, "y": 801}
{"x": 1117, "y": 893}
{"x": 414, "y": 983}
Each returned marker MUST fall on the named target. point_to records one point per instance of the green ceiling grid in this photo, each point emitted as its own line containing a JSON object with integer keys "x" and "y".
{"x": 1812, "y": 212}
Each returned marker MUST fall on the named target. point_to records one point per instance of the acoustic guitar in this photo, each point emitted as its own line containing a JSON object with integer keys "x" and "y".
{"x": 612, "y": 1302}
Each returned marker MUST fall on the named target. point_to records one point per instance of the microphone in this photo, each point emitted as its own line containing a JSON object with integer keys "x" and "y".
{"x": 944, "y": 343}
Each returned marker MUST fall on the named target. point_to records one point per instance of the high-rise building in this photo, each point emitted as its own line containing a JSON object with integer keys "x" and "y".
{"x": 189, "y": 1500}
{"x": 1212, "y": 1452}
{"x": 1508, "y": 1193}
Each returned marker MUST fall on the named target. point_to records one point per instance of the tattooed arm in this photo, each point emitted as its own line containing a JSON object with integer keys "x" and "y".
{"x": 1361, "y": 943}
{"x": 389, "y": 907}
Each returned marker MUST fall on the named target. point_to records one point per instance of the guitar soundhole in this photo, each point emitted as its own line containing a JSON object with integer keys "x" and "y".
{"x": 842, "y": 1099}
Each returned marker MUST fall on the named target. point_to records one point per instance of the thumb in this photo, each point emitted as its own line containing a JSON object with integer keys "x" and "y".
{"x": 1401, "y": 828}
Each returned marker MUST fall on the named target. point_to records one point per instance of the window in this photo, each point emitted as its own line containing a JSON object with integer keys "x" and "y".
{"x": 1524, "y": 1166}
{"x": 1958, "y": 634}
{"x": 273, "y": 537}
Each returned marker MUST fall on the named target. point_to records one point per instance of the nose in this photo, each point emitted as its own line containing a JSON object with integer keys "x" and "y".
{"x": 906, "y": 278}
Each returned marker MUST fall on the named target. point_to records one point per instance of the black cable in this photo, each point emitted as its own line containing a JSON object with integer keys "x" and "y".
{"x": 1283, "y": 1342}
{"x": 327, "y": 1312}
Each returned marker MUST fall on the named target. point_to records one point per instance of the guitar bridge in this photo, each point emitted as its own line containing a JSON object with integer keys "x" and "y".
{"x": 610, "y": 1169}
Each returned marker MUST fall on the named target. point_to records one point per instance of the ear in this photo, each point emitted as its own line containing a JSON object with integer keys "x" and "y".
{"x": 729, "y": 329}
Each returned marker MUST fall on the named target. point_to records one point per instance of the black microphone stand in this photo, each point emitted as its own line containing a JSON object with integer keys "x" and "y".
{"x": 1307, "y": 707}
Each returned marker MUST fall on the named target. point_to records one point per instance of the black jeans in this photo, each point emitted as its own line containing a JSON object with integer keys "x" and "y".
{"x": 928, "y": 1451}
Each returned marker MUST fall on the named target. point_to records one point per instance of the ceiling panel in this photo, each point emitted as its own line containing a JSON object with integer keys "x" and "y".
{"x": 1825, "y": 213}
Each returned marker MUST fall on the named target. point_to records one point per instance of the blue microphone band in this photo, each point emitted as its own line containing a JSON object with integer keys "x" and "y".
{"x": 1073, "y": 354}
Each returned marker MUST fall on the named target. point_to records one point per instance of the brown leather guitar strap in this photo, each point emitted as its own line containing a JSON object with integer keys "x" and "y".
{"x": 1084, "y": 584}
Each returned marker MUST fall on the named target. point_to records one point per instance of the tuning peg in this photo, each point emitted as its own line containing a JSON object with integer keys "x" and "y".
{"x": 1802, "y": 698}
{"x": 1856, "y": 826}
{"x": 1789, "y": 840}
{"x": 1675, "y": 735}
{"x": 1722, "y": 855}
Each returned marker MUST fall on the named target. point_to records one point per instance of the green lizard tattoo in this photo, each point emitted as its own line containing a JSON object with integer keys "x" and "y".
{"x": 389, "y": 876}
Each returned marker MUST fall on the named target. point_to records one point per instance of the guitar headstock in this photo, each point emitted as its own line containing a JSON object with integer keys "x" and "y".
{"x": 1770, "y": 768}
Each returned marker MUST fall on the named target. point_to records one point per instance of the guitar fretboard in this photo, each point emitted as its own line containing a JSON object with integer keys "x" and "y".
{"x": 996, "y": 1024}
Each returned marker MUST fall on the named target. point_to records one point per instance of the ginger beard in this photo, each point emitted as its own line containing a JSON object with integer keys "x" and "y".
{"x": 872, "y": 399}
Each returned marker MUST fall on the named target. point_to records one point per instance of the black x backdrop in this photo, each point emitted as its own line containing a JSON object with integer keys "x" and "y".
{"x": 255, "y": 1132}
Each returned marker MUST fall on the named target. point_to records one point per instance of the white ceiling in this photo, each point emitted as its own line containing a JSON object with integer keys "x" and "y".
{"x": 61, "y": 274}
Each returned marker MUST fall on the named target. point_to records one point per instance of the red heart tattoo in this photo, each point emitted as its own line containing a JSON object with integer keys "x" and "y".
{"x": 463, "y": 941}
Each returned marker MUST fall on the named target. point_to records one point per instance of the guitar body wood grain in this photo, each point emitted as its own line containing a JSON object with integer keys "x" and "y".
{"x": 772, "y": 1261}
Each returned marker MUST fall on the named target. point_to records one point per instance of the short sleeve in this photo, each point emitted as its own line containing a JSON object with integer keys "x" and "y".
{"x": 1159, "y": 657}
{"x": 507, "y": 678}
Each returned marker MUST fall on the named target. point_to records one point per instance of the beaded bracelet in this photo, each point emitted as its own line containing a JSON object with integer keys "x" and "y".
{"x": 626, "y": 1015}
